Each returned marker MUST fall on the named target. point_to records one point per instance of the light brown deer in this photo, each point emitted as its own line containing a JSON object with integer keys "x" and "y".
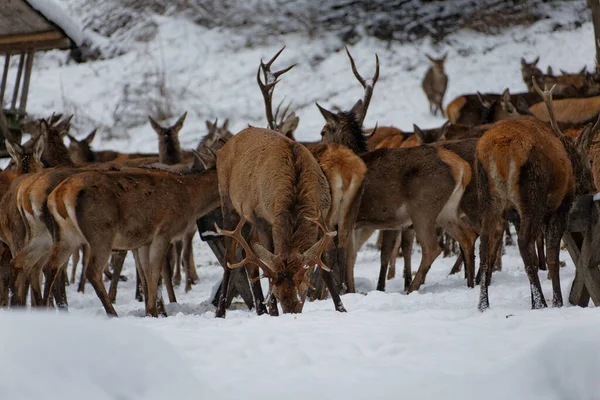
{"x": 574, "y": 111}
{"x": 345, "y": 173}
{"x": 87, "y": 209}
{"x": 524, "y": 166}
{"x": 435, "y": 83}
{"x": 277, "y": 185}
{"x": 383, "y": 133}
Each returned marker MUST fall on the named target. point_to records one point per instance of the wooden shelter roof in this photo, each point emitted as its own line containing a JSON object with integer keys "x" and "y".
{"x": 27, "y": 25}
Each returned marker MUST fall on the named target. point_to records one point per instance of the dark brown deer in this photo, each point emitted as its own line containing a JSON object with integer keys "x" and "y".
{"x": 420, "y": 186}
{"x": 530, "y": 70}
{"x": 435, "y": 83}
{"x": 524, "y": 166}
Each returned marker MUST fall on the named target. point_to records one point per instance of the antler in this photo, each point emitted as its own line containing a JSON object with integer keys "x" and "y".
{"x": 313, "y": 255}
{"x": 368, "y": 88}
{"x": 270, "y": 80}
{"x": 546, "y": 95}
{"x": 237, "y": 235}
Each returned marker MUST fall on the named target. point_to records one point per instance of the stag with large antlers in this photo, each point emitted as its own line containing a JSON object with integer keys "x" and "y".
{"x": 345, "y": 173}
{"x": 537, "y": 171}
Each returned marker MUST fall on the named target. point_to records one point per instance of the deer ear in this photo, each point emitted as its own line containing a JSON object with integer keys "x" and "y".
{"x": 15, "y": 150}
{"x": 523, "y": 62}
{"x": 225, "y": 126}
{"x": 155, "y": 125}
{"x": 536, "y": 60}
{"x": 289, "y": 126}
{"x": 179, "y": 124}
{"x": 209, "y": 125}
{"x": 443, "y": 131}
{"x": 429, "y": 57}
{"x": 484, "y": 102}
{"x": 506, "y": 95}
{"x": 90, "y": 138}
{"x": 328, "y": 115}
{"x": 549, "y": 71}
{"x": 583, "y": 142}
{"x": 358, "y": 109}
{"x": 264, "y": 255}
{"x": 38, "y": 149}
{"x": 583, "y": 71}
{"x": 63, "y": 126}
{"x": 444, "y": 57}
{"x": 419, "y": 134}
{"x": 562, "y": 71}
{"x": 72, "y": 138}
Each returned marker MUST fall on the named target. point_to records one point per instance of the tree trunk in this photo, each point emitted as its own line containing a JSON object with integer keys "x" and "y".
{"x": 595, "y": 6}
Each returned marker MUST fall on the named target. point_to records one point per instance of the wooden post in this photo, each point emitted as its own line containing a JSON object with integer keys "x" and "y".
{"x": 13, "y": 104}
{"x": 595, "y": 6}
{"x": 4, "y": 78}
{"x": 26, "y": 79}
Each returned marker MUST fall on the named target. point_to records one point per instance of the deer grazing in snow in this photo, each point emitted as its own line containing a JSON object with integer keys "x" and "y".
{"x": 277, "y": 185}
{"x": 435, "y": 83}
{"x": 525, "y": 166}
{"x": 345, "y": 173}
{"x": 421, "y": 186}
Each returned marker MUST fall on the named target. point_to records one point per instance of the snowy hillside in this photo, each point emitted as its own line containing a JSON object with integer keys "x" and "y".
{"x": 428, "y": 345}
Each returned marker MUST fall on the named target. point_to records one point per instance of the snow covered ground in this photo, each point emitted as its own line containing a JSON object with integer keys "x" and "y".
{"x": 427, "y": 345}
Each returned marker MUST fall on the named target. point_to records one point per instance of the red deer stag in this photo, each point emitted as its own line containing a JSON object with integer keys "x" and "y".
{"x": 422, "y": 186}
{"x": 525, "y": 166}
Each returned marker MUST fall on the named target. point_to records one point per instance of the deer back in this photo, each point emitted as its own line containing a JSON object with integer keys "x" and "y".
{"x": 267, "y": 175}
{"x": 579, "y": 111}
{"x": 510, "y": 145}
{"x": 382, "y": 133}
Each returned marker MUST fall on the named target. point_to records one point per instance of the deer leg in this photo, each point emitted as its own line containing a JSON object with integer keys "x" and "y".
{"x": 117, "y": 260}
{"x": 152, "y": 272}
{"x": 508, "y": 240}
{"x": 387, "y": 247}
{"x": 167, "y": 275}
{"x": 59, "y": 289}
{"x": 98, "y": 259}
{"x": 527, "y": 234}
{"x": 5, "y": 257}
{"x": 486, "y": 256}
{"x": 175, "y": 257}
{"x": 230, "y": 221}
{"x": 466, "y": 238}
{"x": 82, "y": 279}
{"x": 426, "y": 235}
{"x": 58, "y": 257}
{"x": 140, "y": 285}
{"x": 335, "y": 296}
{"x": 395, "y": 254}
{"x": 539, "y": 241}
{"x": 75, "y": 260}
{"x": 189, "y": 266}
{"x": 259, "y": 299}
{"x": 408, "y": 239}
{"x": 554, "y": 231}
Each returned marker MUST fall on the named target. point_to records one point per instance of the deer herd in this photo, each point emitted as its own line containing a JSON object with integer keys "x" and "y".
{"x": 308, "y": 207}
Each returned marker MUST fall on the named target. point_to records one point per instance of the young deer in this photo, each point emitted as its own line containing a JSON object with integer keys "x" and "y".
{"x": 434, "y": 84}
{"x": 215, "y": 133}
{"x": 525, "y": 166}
{"x": 87, "y": 209}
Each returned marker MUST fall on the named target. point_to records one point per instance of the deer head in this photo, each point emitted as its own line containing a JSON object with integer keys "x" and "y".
{"x": 169, "y": 149}
{"x": 529, "y": 70}
{"x": 27, "y": 157}
{"x": 81, "y": 151}
{"x": 437, "y": 63}
{"x": 345, "y": 127}
{"x": 216, "y": 136}
{"x": 287, "y": 272}
{"x": 431, "y": 135}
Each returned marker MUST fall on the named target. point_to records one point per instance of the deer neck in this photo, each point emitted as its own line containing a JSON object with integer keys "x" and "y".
{"x": 169, "y": 151}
